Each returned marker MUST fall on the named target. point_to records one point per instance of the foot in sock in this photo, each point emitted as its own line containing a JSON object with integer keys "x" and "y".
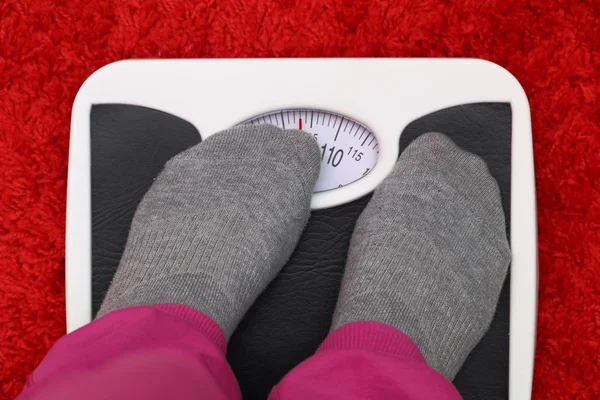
{"x": 429, "y": 254}
{"x": 218, "y": 223}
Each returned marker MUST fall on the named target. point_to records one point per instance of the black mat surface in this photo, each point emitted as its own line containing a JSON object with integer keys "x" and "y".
{"x": 130, "y": 145}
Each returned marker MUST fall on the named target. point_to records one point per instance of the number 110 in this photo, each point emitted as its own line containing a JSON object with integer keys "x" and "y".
{"x": 335, "y": 157}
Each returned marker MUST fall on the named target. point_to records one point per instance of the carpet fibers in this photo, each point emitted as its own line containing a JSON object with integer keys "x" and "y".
{"x": 49, "y": 47}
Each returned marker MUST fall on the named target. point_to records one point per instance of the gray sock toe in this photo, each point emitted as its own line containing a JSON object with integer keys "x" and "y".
{"x": 218, "y": 223}
{"x": 429, "y": 254}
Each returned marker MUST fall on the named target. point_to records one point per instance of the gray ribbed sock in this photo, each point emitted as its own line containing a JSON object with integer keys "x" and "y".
{"x": 218, "y": 223}
{"x": 429, "y": 254}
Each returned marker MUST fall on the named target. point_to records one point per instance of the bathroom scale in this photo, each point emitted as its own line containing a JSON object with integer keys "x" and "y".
{"x": 130, "y": 117}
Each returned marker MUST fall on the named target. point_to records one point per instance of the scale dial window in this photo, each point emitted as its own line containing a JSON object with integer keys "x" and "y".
{"x": 348, "y": 148}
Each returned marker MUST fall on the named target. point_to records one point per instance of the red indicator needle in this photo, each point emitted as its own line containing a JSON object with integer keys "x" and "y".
{"x": 300, "y": 124}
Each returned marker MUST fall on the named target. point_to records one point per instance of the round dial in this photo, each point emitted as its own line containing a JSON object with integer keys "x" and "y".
{"x": 348, "y": 148}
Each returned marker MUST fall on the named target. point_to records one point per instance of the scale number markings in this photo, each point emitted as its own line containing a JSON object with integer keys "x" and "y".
{"x": 348, "y": 148}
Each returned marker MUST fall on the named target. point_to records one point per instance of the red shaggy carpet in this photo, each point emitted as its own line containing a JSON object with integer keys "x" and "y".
{"x": 49, "y": 47}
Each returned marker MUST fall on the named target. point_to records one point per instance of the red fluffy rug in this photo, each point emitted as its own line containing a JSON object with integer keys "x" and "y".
{"x": 49, "y": 47}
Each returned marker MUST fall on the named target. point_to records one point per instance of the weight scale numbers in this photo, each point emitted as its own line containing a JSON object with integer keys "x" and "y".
{"x": 348, "y": 148}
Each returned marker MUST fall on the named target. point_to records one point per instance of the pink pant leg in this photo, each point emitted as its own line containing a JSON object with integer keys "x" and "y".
{"x": 365, "y": 360}
{"x": 175, "y": 352}
{"x": 151, "y": 353}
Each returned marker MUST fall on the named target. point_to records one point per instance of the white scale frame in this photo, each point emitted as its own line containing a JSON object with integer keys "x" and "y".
{"x": 385, "y": 94}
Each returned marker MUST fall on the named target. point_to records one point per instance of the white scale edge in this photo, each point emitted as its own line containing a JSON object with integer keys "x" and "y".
{"x": 383, "y": 93}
